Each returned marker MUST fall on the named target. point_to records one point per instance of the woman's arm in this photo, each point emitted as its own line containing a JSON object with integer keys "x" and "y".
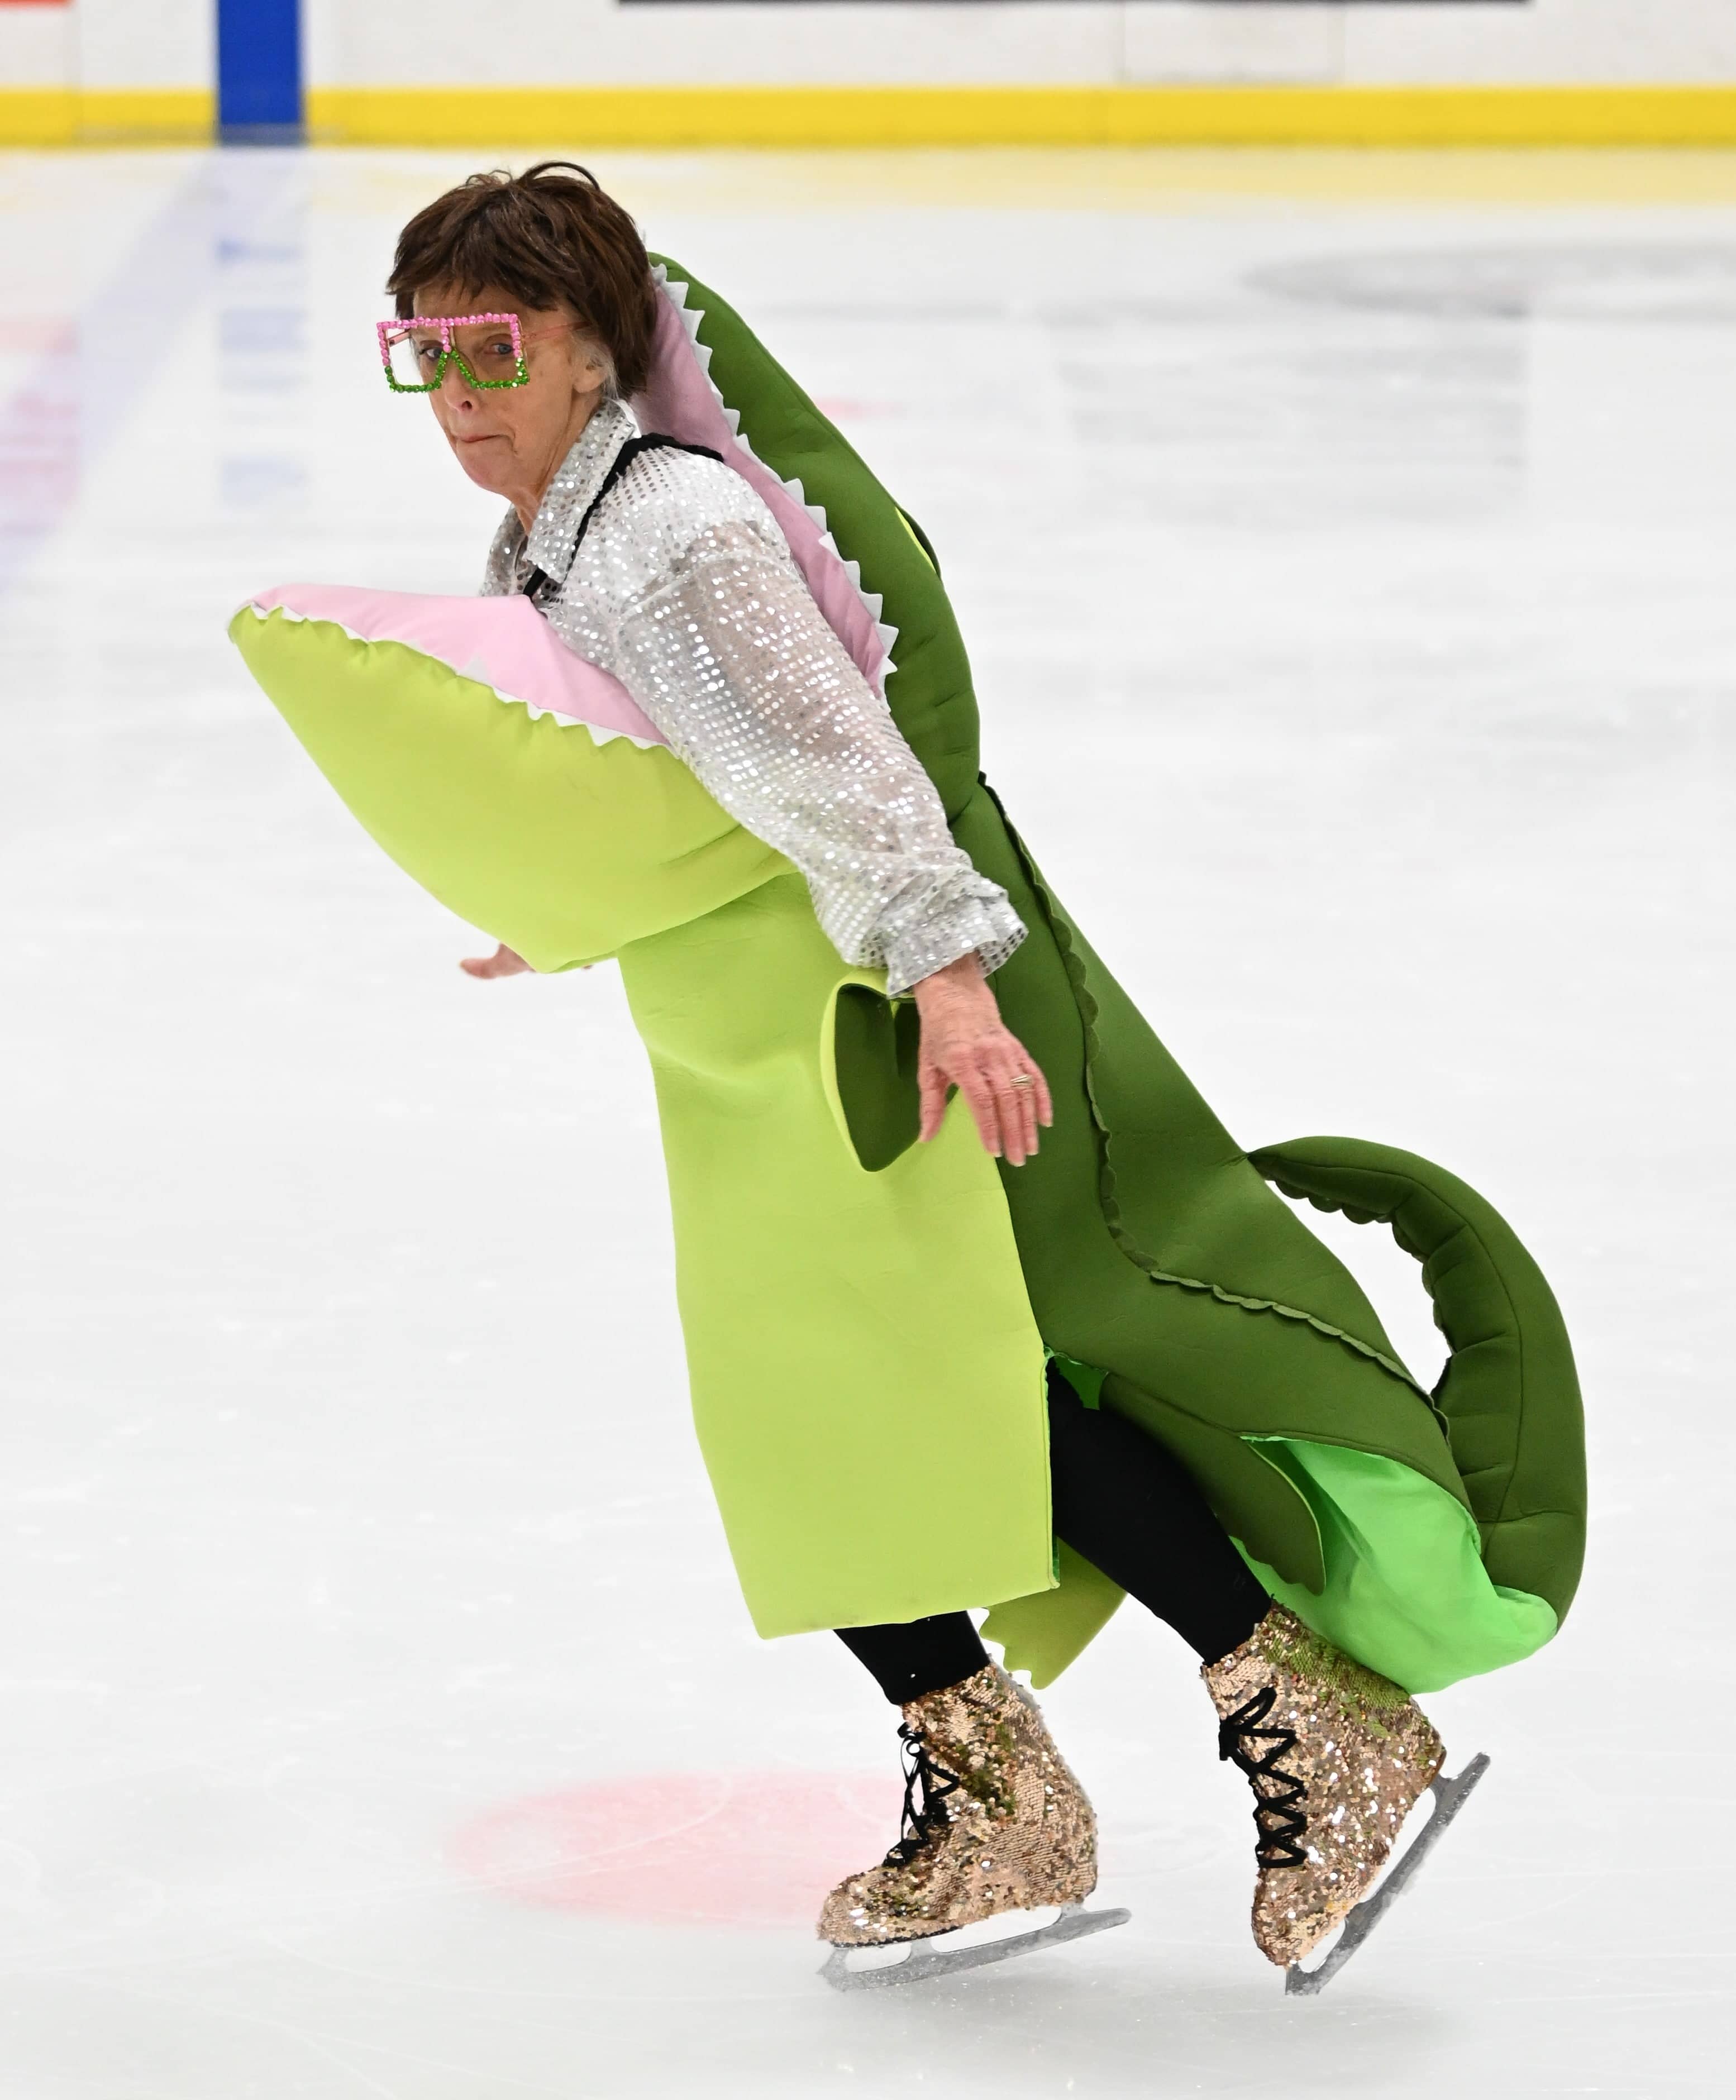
{"x": 732, "y": 659}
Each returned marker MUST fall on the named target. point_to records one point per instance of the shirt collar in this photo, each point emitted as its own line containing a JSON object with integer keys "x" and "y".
{"x": 555, "y": 529}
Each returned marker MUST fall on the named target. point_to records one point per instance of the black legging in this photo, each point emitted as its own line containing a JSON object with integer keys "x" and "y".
{"x": 1123, "y": 1503}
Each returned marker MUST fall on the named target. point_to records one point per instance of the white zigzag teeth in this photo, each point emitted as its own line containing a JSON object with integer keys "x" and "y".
{"x": 476, "y": 670}
{"x": 873, "y": 600}
{"x": 817, "y": 513}
{"x": 691, "y": 318}
{"x": 888, "y": 635}
{"x": 853, "y": 570}
{"x": 734, "y": 418}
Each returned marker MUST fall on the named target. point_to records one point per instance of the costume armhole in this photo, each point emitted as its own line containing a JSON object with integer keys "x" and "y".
{"x": 869, "y": 1051}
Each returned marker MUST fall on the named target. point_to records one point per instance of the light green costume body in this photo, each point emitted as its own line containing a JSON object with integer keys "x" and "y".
{"x": 868, "y": 1319}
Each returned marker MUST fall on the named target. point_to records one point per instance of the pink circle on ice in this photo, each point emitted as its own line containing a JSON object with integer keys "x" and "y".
{"x": 753, "y": 1848}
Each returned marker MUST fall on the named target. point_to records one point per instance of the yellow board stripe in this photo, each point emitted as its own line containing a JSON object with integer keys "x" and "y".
{"x": 38, "y": 117}
{"x": 1028, "y": 115}
{"x": 809, "y": 116}
{"x": 123, "y": 116}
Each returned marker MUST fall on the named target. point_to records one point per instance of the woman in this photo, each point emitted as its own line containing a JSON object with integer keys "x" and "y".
{"x": 528, "y": 310}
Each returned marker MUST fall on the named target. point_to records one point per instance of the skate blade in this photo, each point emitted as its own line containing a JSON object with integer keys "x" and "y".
{"x": 971, "y": 1946}
{"x": 1450, "y": 1797}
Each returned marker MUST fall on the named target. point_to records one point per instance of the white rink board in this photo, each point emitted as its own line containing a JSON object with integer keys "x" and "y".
{"x": 1344, "y": 549}
{"x": 108, "y": 44}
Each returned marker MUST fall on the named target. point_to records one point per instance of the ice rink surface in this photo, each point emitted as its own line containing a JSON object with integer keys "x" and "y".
{"x": 1347, "y": 547}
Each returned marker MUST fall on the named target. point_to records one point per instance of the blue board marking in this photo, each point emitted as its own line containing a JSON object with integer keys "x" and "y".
{"x": 259, "y": 69}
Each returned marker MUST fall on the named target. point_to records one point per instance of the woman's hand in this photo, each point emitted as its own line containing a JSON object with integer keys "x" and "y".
{"x": 966, "y": 1045}
{"x": 503, "y": 963}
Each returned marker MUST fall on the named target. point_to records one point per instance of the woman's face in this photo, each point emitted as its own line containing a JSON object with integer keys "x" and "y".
{"x": 510, "y": 440}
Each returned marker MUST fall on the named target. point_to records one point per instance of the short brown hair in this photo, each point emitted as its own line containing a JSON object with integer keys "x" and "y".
{"x": 551, "y": 237}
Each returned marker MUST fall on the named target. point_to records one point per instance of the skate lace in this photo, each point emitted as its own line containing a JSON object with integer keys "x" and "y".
{"x": 1279, "y": 1796}
{"x": 934, "y": 1782}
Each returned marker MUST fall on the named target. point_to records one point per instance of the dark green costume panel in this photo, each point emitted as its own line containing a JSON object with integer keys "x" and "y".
{"x": 1156, "y": 1253}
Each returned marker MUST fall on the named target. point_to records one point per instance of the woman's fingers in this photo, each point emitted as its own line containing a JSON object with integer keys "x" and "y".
{"x": 998, "y": 1086}
{"x": 985, "y": 1109}
{"x": 1004, "y": 1113}
{"x": 503, "y": 963}
{"x": 1006, "y": 1094}
{"x": 1024, "y": 1093}
{"x": 1017, "y": 1116}
{"x": 1036, "y": 1111}
{"x": 1010, "y": 1084}
{"x": 932, "y": 1083}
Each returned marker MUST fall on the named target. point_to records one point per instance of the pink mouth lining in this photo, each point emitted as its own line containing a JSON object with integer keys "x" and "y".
{"x": 680, "y": 401}
{"x": 502, "y": 642}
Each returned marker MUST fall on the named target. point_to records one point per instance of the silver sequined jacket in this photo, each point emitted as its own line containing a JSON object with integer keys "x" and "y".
{"x": 684, "y": 588}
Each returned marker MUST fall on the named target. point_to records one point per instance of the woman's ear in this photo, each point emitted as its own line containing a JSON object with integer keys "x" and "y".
{"x": 590, "y": 369}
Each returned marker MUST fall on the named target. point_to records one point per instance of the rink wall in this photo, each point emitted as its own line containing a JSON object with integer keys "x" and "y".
{"x": 903, "y": 71}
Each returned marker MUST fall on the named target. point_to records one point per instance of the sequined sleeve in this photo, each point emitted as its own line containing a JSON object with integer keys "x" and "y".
{"x": 734, "y": 662}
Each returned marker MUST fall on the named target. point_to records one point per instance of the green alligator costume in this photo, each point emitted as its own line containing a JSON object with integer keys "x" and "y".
{"x": 868, "y": 1319}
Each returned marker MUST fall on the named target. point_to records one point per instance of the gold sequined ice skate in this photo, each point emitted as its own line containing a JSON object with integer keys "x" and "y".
{"x": 998, "y": 1849}
{"x": 1337, "y": 1758}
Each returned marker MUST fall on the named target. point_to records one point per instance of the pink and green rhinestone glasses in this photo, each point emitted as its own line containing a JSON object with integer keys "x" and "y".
{"x": 488, "y": 350}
